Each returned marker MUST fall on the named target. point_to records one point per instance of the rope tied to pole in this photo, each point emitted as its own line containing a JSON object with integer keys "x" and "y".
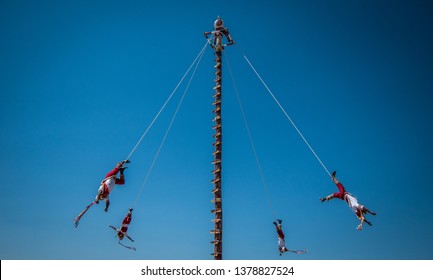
{"x": 259, "y": 166}
{"x": 199, "y": 57}
{"x": 288, "y": 117}
{"x": 200, "y": 54}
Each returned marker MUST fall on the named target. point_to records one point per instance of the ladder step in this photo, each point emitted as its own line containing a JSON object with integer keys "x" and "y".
{"x": 217, "y": 231}
{"x": 216, "y": 102}
{"x": 215, "y": 242}
{"x": 216, "y": 221}
{"x": 216, "y": 200}
{"x": 216, "y": 171}
{"x": 216, "y": 161}
{"x": 216, "y": 152}
{"x": 216, "y": 190}
{"x": 217, "y": 126}
{"x": 215, "y": 180}
{"x": 215, "y": 211}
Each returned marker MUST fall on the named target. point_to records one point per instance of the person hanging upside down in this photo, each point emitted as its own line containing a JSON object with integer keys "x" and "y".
{"x": 107, "y": 185}
{"x": 359, "y": 209}
{"x": 105, "y": 189}
{"x": 281, "y": 242}
{"x": 121, "y": 232}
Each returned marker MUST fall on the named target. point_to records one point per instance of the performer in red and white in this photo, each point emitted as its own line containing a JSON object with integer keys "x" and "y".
{"x": 107, "y": 185}
{"x": 281, "y": 241}
{"x": 121, "y": 232}
{"x": 351, "y": 200}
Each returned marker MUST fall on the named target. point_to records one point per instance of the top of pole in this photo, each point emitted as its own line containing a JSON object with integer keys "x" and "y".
{"x": 217, "y": 35}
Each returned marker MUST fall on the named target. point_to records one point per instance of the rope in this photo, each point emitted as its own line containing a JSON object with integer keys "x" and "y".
{"x": 288, "y": 117}
{"x": 262, "y": 177}
{"x": 169, "y": 127}
{"x": 166, "y": 102}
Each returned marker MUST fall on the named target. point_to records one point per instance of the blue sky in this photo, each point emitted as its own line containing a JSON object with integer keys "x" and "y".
{"x": 80, "y": 81}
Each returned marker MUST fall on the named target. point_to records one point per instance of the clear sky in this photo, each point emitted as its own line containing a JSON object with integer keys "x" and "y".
{"x": 80, "y": 81}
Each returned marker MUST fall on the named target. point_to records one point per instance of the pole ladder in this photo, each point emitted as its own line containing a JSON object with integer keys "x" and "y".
{"x": 218, "y": 46}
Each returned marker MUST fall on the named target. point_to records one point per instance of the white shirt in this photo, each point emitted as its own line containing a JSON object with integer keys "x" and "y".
{"x": 353, "y": 202}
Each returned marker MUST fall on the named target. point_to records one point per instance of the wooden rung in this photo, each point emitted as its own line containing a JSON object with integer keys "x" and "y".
{"x": 216, "y": 171}
{"x": 216, "y": 152}
{"x": 217, "y": 126}
{"x": 216, "y": 200}
{"x": 216, "y": 143}
{"x": 216, "y": 161}
{"x": 215, "y": 190}
{"x": 216, "y": 180}
{"x": 216, "y": 221}
{"x": 216, "y": 102}
{"x": 215, "y": 211}
{"x": 215, "y": 242}
{"x": 213, "y": 231}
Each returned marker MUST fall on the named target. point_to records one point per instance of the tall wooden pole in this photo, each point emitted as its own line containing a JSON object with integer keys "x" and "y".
{"x": 218, "y": 210}
{"x": 217, "y": 44}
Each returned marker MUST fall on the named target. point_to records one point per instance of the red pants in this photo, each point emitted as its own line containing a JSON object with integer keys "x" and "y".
{"x": 341, "y": 193}
{"x": 125, "y": 223}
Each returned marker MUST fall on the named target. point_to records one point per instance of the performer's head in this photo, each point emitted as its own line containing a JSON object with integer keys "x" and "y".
{"x": 218, "y": 24}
